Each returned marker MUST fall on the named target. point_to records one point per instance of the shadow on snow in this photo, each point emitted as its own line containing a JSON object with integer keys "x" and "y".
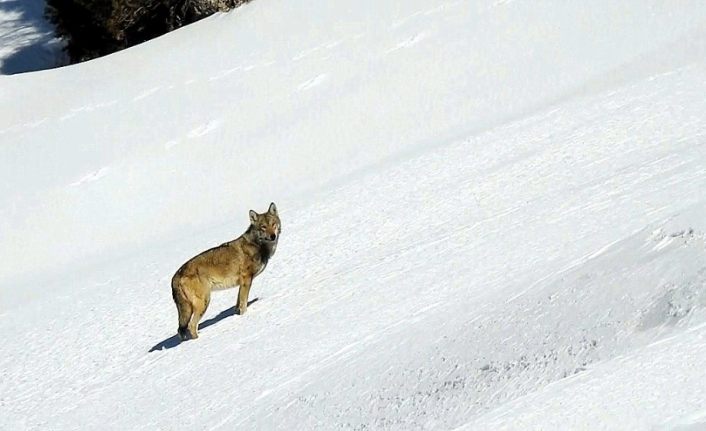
{"x": 41, "y": 52}
{"x": 174, "y": 341}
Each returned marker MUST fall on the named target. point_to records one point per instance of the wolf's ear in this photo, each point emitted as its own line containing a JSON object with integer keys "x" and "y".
{"x": 273, "y": 209}
{"x": 253, "y": 217}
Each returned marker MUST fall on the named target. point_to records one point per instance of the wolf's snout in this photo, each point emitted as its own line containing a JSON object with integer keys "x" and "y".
{"x": 273, "y": 237}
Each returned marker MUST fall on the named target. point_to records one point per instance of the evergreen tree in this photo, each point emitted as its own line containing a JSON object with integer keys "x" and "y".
{"x": 93, "y": 28}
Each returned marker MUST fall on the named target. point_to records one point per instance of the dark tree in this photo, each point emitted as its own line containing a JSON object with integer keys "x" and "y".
{"x": 93, "y": 28}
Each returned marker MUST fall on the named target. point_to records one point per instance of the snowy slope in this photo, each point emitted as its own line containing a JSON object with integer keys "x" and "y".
{"x": 493, "y": 218}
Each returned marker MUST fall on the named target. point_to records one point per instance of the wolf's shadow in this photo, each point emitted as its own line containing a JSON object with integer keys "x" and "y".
{"x": 174, "y": 341}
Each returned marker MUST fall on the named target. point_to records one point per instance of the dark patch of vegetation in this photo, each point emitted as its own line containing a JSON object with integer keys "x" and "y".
{"x": 93, "y": 28}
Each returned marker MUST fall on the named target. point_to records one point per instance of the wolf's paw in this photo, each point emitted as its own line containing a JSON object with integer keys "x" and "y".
{"x": 240, "y": 311}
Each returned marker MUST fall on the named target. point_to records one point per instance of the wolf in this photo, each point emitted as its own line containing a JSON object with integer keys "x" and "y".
{"x": 234, "y": 263}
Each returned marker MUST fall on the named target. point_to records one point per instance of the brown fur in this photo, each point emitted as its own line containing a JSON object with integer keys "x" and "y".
{"x": 235, "y": 263}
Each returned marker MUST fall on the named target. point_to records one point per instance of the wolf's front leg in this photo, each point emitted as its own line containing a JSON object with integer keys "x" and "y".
{"x": 243, "y": 296}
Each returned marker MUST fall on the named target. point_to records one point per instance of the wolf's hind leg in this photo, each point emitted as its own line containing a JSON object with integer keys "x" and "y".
{"x": 200, "y": 306}
{"x": 184, "y": 308}
{"x": 185, "y": 311}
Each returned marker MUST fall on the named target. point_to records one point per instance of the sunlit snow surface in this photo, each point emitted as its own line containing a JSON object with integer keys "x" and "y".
{"x": 494, "y": 217}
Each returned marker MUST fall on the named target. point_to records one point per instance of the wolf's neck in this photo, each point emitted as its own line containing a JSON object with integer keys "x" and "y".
{"x": 250, "y": 234}
{"x": 266, "y": 248}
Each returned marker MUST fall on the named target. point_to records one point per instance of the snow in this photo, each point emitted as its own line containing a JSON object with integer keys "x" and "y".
{"x": 27, "y": 41}
{"x": 493, "y": 218}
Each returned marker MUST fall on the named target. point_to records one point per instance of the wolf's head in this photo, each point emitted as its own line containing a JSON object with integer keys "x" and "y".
{"x": 265, "y": 227}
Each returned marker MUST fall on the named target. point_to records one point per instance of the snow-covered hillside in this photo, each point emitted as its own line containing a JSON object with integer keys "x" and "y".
{"x": 493, "y": 215}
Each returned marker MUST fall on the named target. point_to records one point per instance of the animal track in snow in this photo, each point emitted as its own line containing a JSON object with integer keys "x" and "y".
{"x": 313, "y": 82}
{"x": 204, "y": 129}
{"x": 170, "y": 144}
{"x": 93, "y": 176}
{"x": 678, "y": 300}
{"x": 333, "y": 44}
{"x": 35, "y": 123}
{"x": 30, "y": 125}
{"x": 307, "y": 52}
{"x": 661, "y": 238}
{"x": 67, "y": 116}
{"x": 404, "y": 20}
{"x": 409, "y": 42}
{"x": 223, "y": 73}
{"x": 87, "y": 108}
{"x": 147, "y": 93}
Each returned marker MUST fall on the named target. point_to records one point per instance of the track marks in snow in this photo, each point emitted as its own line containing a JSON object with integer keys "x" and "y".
{"x": 409, "y": 42}
{"x": 88, "y": 108}
{"x": 204, "y": 129}
{"x": 29, "y": 125}
{"x": 402, "y": 21}
{"x": 91, "y": 177}
{"x": 348, "y": 351}
{"x": 306, "y": 53}
{"x": 313, "y": 82}
{"x": 423, "y": 13}
{"x": 661, "y": 239}
{"x": 146, "y": 94}
{"x": 171, "y": 144}
{"x": 311, "y": 51}
{"x": 37, "y": 123}
{"x": 333, "y": 44}
{"x": 571, "y": 266}
{"x": 224, "y": 73}
{"x": 227, "y": 72}
{"x": 502, "y": 3}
